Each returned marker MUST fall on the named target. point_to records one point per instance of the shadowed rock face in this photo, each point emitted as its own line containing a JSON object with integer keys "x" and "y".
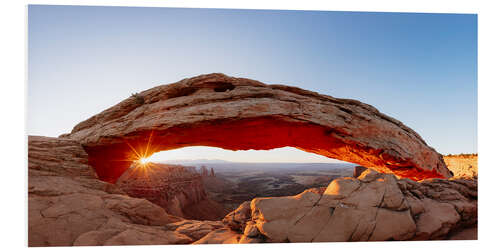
{"x": 241, "y": 114}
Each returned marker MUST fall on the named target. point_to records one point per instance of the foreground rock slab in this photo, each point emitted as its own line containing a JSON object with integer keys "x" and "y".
{"x": 240, "y": 114}
{"x": 372, "y": 207}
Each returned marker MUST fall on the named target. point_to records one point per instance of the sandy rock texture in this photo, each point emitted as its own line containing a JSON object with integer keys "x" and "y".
{"x": 68, "y": 205}
{"x": 372, "y": 207}
{"x": 463, "y": 166}
{"x": 240, "y": 114}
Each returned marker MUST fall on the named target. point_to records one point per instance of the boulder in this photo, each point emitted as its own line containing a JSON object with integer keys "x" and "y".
{"x": 275, "y": 216}
{"x": 237, "y": 219}
{"x": 372, "y": 207}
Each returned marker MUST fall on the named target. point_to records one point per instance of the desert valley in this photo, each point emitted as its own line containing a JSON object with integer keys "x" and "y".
{"x": 194, "y": 192}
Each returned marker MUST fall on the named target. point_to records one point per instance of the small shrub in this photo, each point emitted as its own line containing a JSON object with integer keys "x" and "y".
{"x": 138, "y": 98}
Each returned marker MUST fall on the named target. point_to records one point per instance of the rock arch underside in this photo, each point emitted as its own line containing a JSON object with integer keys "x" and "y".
{"x": 240, "y": 114}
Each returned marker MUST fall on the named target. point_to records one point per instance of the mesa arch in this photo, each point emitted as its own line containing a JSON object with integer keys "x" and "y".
{"x": 240, "y": 114}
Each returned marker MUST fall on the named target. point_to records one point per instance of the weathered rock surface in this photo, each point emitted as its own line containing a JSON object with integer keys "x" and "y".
{"x": 462, "y": 166}
{"x": 236, "y": 220}
{"x": 372, "y": 207}
{"x": 241, "y": 114}
{"x": 177, "y": 189}
{"x": 194, "y": 229}
{"x": 220, "y": 236}
{"x": 68, "y": 205}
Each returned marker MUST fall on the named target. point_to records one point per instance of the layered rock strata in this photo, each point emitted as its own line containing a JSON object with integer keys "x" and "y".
{"x": 241, "y": 114}
{"x": 171, "y": 187}
{"x": 177, "y": 189}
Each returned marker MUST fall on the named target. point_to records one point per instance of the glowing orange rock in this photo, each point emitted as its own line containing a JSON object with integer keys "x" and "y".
{"x": 240, "y": 114}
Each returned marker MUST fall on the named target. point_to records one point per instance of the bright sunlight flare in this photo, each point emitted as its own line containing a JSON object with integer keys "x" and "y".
{"x": 143, "y": 160}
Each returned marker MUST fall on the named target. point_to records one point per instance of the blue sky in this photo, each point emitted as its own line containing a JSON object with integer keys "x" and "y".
{"x": 418, "y": 68}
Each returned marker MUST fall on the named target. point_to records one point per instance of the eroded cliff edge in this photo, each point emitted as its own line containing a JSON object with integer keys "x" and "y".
{"x": 177, "y": 189}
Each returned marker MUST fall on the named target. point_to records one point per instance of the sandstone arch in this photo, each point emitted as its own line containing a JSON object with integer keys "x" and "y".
{"x": 239, "y": 114}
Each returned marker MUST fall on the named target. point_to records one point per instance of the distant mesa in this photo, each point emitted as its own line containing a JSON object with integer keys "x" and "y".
{"x": 241, "y": 114}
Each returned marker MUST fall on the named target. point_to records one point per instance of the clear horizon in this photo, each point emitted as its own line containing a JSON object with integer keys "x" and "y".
{"x": 418, "y": 68}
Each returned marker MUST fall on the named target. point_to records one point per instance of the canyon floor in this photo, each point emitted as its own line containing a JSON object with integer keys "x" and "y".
{"x": 236, "y": 183}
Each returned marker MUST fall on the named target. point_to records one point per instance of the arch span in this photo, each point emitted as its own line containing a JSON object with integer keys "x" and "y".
{"x": 240, "y": 114}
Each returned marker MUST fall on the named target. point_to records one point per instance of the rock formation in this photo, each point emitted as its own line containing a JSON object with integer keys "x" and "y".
{"x": 357, "y": 171}
{"x": 241, "y": 114}
{"x": 372, "y": 207}
{"x": 464, "y": 166}
{"x": 68, "y": 205}
{"x": 72, "y": 198}
{"x": 177, "y": 189}
{"x": 204, "y": 171}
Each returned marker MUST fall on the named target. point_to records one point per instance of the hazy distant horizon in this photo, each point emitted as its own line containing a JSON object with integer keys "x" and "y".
{"x": 419, "y": 68}
{"x": 277, "y": 155}
{"x": 268, "y": 166}
{"x": 220, "y": 161}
